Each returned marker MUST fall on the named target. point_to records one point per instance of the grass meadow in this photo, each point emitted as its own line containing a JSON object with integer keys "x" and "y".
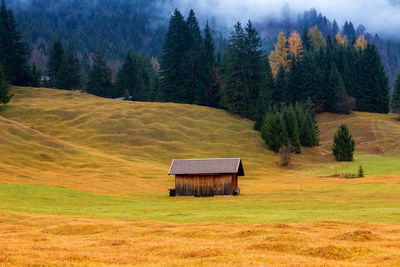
{"x": 83, "y": 181}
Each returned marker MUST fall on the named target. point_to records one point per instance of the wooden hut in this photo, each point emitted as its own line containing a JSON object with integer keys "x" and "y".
{"x": 206, "y": 177}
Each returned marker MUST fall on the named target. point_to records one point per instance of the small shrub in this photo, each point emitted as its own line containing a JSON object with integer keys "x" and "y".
{"x": 360, "y": 172}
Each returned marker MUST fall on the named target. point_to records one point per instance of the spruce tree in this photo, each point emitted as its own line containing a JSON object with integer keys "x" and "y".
{"x": 211, "y": 78}
{"x": 13, "y": 49}
{"x": 396, "y": 96}
{"x": 193, "y": 64}
{"x": 343, "y": 144}
{"x": 373, "y": 85}
{"x": 292, "y": 126}
{"x": 264, "y": 98}
{"x": 255, "y": 69}
{"x": 275, "y": 132}
{"x": 100, "y": 77}
{"x": 173, "y": 80}
{"x": 127, "y": 76}
{"x": 54, "y": 63}
{"x": 69, "y": 73}
{"x": 4, "y": 96}
{"x": 279, "y": 93}
{"x": 235, "y": 86}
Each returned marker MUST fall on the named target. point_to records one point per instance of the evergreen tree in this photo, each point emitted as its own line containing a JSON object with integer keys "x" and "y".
{"x": 264, "y": 98}
{"x": 211, "y": 81}
{"x": 373, "y": 93}
{"x": 255, "y": 69}
{"x": 100, "y": 77}
{"x": 343, "y": 144}
{"x": 275, "y": 132}
{"x": 194, "y": 63}
{"x": 235, "y": 87}
{"x": 292, "y": 126}
{"x": 69, "y": 73}
{"x": 126, "y": 79}
{"x": 13, "y": 50}
{"x": 173, "y": 84}
{"x": 279, "y": 93}
{"x": 360, "y": 172}
{"x": 4, "y": 96}
{"x": 54, "y": 63}
{"x": 396, "y": 96}
{"x": 335, "y": 28}
{"x": 306, "y": 40}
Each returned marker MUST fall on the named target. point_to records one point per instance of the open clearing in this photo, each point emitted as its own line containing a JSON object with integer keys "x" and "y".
{"x": 83, "y": 180}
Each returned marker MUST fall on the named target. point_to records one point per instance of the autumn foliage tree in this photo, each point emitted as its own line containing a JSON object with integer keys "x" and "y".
{"x": 280, "y": 56}
{"x": 295, "y": 46}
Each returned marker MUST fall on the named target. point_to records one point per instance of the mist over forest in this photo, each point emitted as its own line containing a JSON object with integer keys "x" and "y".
{"x": 116, "y": 27}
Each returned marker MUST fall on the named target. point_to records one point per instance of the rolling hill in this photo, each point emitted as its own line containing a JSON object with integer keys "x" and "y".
{"x": 90, "y": 174}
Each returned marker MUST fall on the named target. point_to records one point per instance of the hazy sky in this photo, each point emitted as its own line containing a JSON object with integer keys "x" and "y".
{"x": 379, "y": 16}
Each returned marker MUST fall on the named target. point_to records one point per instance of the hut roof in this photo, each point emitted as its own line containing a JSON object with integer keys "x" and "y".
{"x": 206, "y": 166}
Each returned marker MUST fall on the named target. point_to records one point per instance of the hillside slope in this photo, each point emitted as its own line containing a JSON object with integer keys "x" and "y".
{"x": 101, "y": 145}
{"x": 119, "y": 146}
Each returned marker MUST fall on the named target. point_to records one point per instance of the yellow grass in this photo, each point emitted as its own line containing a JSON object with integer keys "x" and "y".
{"x": 57, "y": 241}
{"x": 123, "y": 148}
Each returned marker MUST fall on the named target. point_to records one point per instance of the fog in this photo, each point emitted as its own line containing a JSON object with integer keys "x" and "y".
{"x": 379, "y": 16}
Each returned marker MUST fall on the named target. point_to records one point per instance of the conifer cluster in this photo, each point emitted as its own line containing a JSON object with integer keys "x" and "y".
{"x": 14, "y": 68}
{"x": 63, "y": 67}
{"x": 291, "y": 126}
{"x": 188, "y": 67}
{"x": 337, "y": 75}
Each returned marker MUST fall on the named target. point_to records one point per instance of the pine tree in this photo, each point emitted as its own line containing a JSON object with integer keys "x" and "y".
{"x": 360, "y": 172}
{"x": 335, "y": 28}
{"x": 343, "y": 144}
{"x": 264, "y": 98}
{"x": 13, "y": 49}
{"x": 279, "y": 93}
{"x": 373, "y": 93}
{"x": 173, "y": 84}
{"x": 100, "y": 77}
{"x": 275, "y": 132}
{"x": 54, "y": 63}
{"x": 280, "y": 55}
{"x": 235, "y": 87}
{"x": 292, "y": 126}
{"x": 211, "y": 76}
{"x": 255, "y": 69}
{"x": 305, "y": 39}
{"x": 126, "y": 79}
{"x": 69, "y": 73}
{"x": 193, "y": 64}
{"x": 4, "y": 96}
{"x": 396, "y": 96}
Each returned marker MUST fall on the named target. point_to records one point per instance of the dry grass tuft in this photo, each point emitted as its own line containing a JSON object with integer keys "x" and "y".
{"x": 358, "y": 236}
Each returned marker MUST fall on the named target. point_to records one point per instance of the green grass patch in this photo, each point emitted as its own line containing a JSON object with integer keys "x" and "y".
{"x": 374, "y": 203}
{"x": 372, "y": 165}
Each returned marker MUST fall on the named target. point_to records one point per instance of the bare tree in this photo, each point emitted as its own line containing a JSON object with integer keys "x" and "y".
{"x": 285, "y": 154}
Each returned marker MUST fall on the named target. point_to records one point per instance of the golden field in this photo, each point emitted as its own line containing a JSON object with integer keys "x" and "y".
{"x": 83, "y": 181}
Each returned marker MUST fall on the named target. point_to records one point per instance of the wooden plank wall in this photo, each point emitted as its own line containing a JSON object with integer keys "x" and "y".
{"x": 203, "y": 185}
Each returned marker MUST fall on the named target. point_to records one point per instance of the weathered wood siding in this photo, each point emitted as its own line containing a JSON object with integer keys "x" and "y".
{"x": 234, "y": 182}
{"x": 203, "y": 185}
